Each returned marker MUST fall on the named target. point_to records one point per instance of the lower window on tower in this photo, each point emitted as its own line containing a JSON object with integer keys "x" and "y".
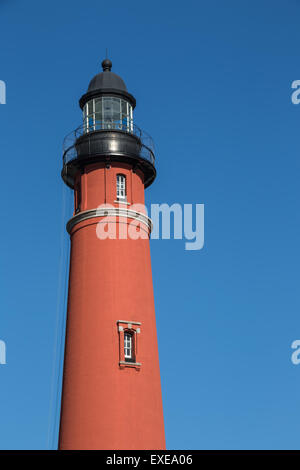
{"x": 129, "y": 332}
{"x": 129, "y": 346}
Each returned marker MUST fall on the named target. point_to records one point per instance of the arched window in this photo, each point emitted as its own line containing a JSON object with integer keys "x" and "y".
{"x": 129, "y": 346}
{"x": 121, "y": 187}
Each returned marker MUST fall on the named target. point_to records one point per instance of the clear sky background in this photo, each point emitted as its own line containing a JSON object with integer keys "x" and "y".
{"x": 212, "y": 81}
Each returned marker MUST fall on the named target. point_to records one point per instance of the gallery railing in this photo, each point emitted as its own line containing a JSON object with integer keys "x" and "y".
{"x": 91, "y": 125}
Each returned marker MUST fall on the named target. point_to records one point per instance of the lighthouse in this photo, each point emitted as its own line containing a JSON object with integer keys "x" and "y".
{"x": 111, "y": 395}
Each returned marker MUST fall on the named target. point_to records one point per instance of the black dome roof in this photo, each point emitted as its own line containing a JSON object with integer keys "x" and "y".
{"x": 107, "y": 79}
{"x": 106, "y": 83}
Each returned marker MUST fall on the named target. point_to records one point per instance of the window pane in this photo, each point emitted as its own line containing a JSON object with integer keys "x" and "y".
{"x": 107, "y": 107}
{"x": 116, "y": 105}
{"x": 98, "y": 119}
{"x": 124, "y": 107}
{"x": 90, "y": 122}
{"x": 98, "y": 107}
{"x": 90, "y": 107}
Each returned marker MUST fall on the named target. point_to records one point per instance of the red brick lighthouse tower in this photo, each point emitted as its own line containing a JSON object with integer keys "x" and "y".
{"x": 111, "y": 395}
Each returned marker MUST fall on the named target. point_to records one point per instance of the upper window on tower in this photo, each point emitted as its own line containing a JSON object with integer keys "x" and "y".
{"x": 107, "y": 113}
{"x": 121, "y": 187}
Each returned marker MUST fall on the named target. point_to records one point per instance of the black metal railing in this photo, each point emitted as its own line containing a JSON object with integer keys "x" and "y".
{"x": 90, "y": 126}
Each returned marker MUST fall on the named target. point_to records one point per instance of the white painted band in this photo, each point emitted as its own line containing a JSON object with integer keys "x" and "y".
{"x": 109, "y": 212}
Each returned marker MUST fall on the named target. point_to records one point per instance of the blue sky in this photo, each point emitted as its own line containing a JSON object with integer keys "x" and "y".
{"x": 213, "y": 87}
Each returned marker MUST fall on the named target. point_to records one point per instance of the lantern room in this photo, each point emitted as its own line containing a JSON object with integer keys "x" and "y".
{"x": 107, "y": 132}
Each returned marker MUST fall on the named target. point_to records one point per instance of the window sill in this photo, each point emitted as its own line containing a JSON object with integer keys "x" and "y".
{"x": 136, "y": 365}
{"x": 120, "y": 201}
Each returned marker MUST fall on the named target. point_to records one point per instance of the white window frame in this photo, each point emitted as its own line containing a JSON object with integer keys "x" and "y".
{"x": 121, "y": 187}
{"x": 128, "y": 345}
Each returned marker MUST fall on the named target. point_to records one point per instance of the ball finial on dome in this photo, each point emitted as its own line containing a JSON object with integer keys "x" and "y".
{"x": 106, "y": 65}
